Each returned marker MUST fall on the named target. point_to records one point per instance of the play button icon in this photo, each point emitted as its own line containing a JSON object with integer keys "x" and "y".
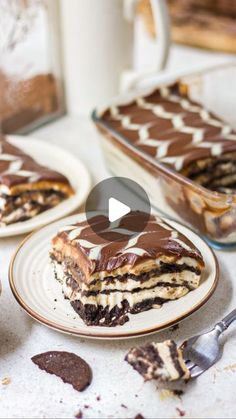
{"x": 117, "y": 209}
{"x": 121, "y": 202}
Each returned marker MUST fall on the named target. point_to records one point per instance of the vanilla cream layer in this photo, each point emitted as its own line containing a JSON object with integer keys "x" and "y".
{"x": 27, "y": 209}
{"x": 145, "y": 266}
{"x": 140, "y": 268}
{"x": 179, "y": 278}
{"x": 3, "y": 203}
{"x": 169, "y": 371}
{"x": 17, "y": 214}
{"x": 32, "y": 186}
{"x": 116, "y": 298}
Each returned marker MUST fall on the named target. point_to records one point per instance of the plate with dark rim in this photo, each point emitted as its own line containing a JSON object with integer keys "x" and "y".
{"x": 39, "y": 294}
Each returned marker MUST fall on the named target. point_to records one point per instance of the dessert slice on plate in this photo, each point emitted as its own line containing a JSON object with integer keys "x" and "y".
{"x": 106, "y": 277}
{"x": 26, "y": 187}
{"x": 159, "y": 361}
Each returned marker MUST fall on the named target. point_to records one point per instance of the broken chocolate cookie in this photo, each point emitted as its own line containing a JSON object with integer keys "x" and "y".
{"x": 69, "y": 367}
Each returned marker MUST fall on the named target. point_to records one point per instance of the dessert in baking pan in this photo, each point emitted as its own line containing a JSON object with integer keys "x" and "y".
{"x": 159, "y": 361}
{"x": 181, "y": 153}
{"x": 107, "y": 276}
{"x": 176, "y": 131}
{"x": 26, "y": 187}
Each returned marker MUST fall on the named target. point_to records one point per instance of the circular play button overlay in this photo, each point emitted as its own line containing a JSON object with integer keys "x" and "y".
{"x": 122, "y": 207}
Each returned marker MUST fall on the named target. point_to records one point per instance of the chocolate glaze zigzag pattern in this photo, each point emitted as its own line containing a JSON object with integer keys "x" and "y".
{"x": 172, "y": 128}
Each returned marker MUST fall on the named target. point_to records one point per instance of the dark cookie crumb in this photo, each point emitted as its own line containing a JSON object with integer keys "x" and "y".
{"x": 100, "y": 316}
{"x": 174, "y": 327}
{"x": 124, "y": 406}
{"x": 139, "y": 416}
{"x": 98, "y": 398}
{"x": 86, "y": 406}
{"x": 178, "y": 392}
{"x": 79, "y": 415}
{"x": 180, "y": 412}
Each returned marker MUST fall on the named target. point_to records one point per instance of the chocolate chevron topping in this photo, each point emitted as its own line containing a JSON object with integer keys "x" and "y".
{"x": 106, "y": 278}
{"x": 26, "y": 187}
{"x": 180, "y": 133}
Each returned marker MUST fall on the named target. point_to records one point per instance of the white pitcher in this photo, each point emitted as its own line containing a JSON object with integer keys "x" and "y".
{"x": 97, "y": 40}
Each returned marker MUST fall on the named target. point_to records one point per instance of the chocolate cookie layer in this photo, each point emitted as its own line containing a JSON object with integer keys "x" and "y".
{"x": 69, "y": 367}
{"x": 105, "y": 279}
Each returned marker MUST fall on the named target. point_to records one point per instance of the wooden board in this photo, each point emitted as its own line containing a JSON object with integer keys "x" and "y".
{"x": 200, "y": 27}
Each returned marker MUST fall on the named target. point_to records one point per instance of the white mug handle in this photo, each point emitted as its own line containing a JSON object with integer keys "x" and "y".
{"x": 130, "y": 78}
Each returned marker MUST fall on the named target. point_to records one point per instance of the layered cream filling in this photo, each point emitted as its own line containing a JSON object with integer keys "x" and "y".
{"x": 165, "y": 367}
{"x": 26, "y": 206}
{"x": 169, "y": 370}
{"x": 191, "y": 279}
{"x": 29, "y": 186}
{"x": 3, "y": 203}
{"x": 115, "y": 298}
{"x": 18, "y": 214}
{"x": 145, "y": 266}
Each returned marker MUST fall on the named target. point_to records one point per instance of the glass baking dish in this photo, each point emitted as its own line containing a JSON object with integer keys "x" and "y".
{"x": 210, "y": 213}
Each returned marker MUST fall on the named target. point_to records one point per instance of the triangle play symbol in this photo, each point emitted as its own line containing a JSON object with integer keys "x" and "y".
{"x": 116, "y": 209}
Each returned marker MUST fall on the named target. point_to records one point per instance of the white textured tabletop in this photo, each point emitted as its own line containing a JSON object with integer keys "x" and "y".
{"x": 116, "y": 391}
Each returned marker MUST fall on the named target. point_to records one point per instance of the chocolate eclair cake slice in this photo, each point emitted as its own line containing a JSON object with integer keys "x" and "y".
{"x": 26, "y": 187}
{"x": 159, "y": 361}
{"x": 107, "y": 277}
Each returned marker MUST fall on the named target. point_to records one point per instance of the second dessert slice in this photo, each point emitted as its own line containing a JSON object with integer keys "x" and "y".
{"x": 26, "y": 187}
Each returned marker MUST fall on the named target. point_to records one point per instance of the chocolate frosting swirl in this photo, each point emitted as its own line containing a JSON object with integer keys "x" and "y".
{"x": 122, "y": 246}
{"x": 17, "y": 167}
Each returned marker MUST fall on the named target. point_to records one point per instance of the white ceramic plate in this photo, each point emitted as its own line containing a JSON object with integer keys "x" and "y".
{"x": 58, "y": 159}
{"x": 35, "y": 288}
